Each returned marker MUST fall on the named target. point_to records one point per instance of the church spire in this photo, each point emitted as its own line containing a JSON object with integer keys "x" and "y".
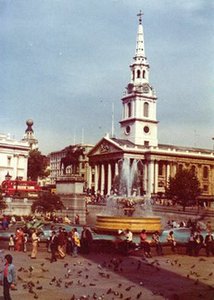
{"x": 140, "y": 51}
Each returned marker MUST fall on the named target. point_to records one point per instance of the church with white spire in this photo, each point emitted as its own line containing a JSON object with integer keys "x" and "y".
{"x": 139, "y": 121}
{"x": 138, "y": 141}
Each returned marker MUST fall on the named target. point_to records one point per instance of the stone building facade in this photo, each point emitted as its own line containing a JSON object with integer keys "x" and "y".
{"x": 56, "y": 171}
{"x": 13, "y": 158}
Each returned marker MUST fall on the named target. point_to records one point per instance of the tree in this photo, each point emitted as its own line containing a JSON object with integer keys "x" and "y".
{"x": 184, "y": 188}
{"x": 37, "y": 164}
{"x": 47, "y": 202}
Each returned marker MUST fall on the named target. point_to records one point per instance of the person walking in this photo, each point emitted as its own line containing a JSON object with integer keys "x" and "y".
{"x": 9, "y": 276}
{"x": 11, "y": 244}
{"x": 209, "y": 244}
{"x": 86, "y": 240}
{"x": 35, "y": 241}
{"x": 76, "y": 242}
{"x": 53, "y": 246}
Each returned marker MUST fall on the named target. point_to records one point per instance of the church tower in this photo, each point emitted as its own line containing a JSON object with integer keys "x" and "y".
{"x": 139, "y": 122}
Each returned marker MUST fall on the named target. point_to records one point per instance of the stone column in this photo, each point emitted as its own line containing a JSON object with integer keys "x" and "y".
{"x": 151, "y": 177}
{"x": 167, "y": 172}
{"x": 102, "y": 179}
{"x": 89, "y": 176}
{"x": 145, "y": 177}
{"x": 156, "y": 177}
{"x": 109, "y": 179}
{"x": 96, "y": 178}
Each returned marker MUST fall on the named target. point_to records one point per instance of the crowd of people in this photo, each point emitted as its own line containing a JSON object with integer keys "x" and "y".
{"x": 196, "y": 241}
{"x": 60, "y": 243}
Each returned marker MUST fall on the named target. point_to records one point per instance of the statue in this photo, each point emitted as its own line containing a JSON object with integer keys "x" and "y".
{"x": 72, "y": 158}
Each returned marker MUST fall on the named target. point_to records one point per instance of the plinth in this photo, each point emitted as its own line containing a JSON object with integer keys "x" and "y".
{"x": 70, "y": 190}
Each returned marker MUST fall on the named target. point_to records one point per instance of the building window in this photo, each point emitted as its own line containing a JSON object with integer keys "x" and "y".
{"x": 129, "y": 110}
{"x": 205, "y": 188}
{"x": 9, "y": 161}
{"x": 133, "y": 75}
{"x": 146, "y": 109}
{"x": 193, "y": 169}
{"x": 180, "y": 167}
{"x": 146, "y": 143}
{"x": 160, "y": 168}
{"x": 205, "y": 172}
{"x": 144, "y": 73}
{"x": 138, "y": 73}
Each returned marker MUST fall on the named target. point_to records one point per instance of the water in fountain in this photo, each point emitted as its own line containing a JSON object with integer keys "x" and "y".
{"x": 115, "y": 204}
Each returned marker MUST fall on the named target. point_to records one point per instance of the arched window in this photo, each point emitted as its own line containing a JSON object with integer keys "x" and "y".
{"x": 205, "y": 172}
{"x": 133, "y": 75}
{"x": 193, "y": 169}
{"x": 144, "y": 73}
{"x": 138, "y": 73}
{"x": 129, "y": 110}
{"x": 146, "y": 109}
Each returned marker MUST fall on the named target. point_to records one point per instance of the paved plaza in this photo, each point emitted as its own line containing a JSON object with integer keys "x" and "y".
{"x": 109, "y": 276}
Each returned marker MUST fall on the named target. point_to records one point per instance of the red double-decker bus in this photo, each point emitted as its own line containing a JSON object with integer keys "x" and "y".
{"x": 20, "y": 188}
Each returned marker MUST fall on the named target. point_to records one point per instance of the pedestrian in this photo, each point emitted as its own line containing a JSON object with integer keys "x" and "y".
{"x": 128, "y": 241}
{"x": 144, "y": 243}
{"x": 86, "y": 240}
{"x": 25, "y": 242}
{"x": 199, "y": 242}
{"x": 11, "y": 244}
{"x": 156, "y": 241}
{"x": 53, "y": 246}
{"x": 9, "y": 276}
{"x": 19, "y": 239}
{"x": 76, "y": 242}
{"x": 35, "y": 241}
{"x": 5, "y": 223}
{"x": 209, "y": 244}
{"x": 171, "y": 240}
{"x": 61, "y": 243}
{"x": 191, "y": 244}
{"x": 77, "y": 219}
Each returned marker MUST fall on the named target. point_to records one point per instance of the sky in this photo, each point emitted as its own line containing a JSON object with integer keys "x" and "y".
{"x": 65, "y": 64}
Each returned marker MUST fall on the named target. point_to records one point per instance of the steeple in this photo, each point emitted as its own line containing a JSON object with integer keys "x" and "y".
{"x": 139, "y": 123}
{"x": 140, "y": 51}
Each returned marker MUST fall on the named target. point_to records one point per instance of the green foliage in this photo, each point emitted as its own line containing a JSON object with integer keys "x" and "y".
{"x": 47, "y": 202}
{"x": 184, "y": 188}
{"x": 37, "y": 164}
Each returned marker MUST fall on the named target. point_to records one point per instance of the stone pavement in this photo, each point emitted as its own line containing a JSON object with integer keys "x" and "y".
{"x": 108, "y": 276}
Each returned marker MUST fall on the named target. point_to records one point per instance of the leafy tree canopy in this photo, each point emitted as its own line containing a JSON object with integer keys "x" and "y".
{"x": 47, "y": 202}
{"x": 184, "y": 188}
{"x": 37, "y": 164}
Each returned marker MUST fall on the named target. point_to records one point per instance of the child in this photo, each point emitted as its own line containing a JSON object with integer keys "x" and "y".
{"x": 11, "y": 244}
{"x": 9, "y": 276}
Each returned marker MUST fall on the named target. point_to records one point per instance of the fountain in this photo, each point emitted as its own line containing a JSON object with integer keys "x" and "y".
{"x": 127, "y": 210}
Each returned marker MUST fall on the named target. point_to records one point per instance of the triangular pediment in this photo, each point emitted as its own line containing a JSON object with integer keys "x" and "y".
{"x": 105, "y": 146}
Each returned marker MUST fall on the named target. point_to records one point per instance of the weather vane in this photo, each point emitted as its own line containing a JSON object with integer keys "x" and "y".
{"x": 140, "y": 17}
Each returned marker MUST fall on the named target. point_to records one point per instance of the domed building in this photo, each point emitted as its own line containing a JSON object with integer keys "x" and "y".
{"x": 29, "y": 136}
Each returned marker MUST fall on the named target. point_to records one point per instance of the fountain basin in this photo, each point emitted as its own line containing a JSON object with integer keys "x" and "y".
{"x": 111, "y": 224}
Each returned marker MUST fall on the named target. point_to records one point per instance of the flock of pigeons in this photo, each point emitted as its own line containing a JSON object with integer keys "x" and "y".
{"x": 90, "y": 279}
